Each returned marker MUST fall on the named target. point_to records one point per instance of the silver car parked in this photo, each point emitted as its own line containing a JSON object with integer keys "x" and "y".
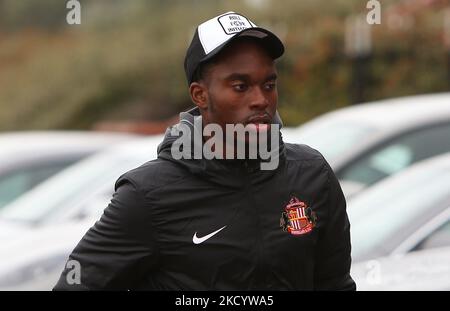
{"x": 28, "y": 158}
{"x": 407, "y": 212}
{"x": 369, "y": 142}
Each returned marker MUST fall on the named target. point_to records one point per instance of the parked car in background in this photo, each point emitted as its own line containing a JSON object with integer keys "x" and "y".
{"x": 417, "y": 271}
{"x": 368, "y": 142}
{"x": 27, "y": 158}
{"x": 38, "y": 237}
{"x": 407, "y": 212}
{"x": 35, "y": 260}
{"x": 80, "y": 191}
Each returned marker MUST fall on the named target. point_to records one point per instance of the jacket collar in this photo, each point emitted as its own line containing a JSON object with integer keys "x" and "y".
{"x": 216, "y": 170}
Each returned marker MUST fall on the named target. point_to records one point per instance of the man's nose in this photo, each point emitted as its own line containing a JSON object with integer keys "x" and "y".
{"x": 259, "y": 100}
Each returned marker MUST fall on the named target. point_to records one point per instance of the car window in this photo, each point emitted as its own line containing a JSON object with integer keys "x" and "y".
{"x": 398, "y": 154}
{"x": 82, "y": 179}
{"x": 15, "y": 183}
{"x": 72, "y": 187}
{"x": 439, "y": 238}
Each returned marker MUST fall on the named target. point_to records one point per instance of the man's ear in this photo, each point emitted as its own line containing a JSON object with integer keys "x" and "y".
{"x": 199, "y": 95}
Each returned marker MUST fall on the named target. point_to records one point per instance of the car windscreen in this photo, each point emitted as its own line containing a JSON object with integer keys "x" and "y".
{"x": 71, "y": 185}
{"x": 18, "y": 180}
{"x": 332, "y": 138}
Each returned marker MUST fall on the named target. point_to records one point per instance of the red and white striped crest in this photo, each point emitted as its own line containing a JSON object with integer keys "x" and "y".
{"x": 296, "y": 219}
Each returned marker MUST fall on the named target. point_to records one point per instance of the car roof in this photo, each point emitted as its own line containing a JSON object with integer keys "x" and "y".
{"x": 32, "y": 146}
{"x": 395, "y": 113}
{"x": 18, "y": 141}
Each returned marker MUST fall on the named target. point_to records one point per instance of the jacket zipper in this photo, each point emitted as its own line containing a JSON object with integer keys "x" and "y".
{"x": 259, "y": 243}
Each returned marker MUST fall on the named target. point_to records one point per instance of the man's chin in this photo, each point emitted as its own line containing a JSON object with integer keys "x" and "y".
{"x": 258, "y": 127}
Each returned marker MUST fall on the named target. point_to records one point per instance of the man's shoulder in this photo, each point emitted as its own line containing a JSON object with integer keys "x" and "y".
{"x": 152, "y": 174}
{"x": 301, "y": 152}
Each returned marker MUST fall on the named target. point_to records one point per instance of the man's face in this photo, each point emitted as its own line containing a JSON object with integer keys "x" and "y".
{"x": 240, "y": 87}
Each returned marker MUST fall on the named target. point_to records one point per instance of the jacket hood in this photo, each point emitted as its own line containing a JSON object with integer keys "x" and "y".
{"x": 218, "y": 170}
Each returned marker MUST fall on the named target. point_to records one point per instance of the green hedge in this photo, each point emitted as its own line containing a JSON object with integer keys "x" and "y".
{"x": 125, "y": 62}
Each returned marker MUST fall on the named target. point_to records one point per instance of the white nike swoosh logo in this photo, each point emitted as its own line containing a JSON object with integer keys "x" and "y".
{"x": 198, "y": 240}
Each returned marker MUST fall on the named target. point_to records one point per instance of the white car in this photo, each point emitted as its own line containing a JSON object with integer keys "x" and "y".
{"x": 27, "y": 158}
{"x": 40, "y": 229}
{"x": 78, "y": 192}
{"x": 368, "y": 142}
{"x": 407, "y": 212}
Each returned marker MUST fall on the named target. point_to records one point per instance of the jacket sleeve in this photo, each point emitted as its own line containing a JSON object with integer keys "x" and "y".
{"x": 118, "y": 249}
{"x": 333, "y": 257}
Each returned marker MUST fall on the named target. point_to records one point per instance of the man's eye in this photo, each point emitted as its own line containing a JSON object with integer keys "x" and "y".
{"x": 241, "y": 87}
{"x": 270, "y": 86}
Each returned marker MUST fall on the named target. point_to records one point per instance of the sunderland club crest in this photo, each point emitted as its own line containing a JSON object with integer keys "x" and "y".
{"x": 297, "y": 218}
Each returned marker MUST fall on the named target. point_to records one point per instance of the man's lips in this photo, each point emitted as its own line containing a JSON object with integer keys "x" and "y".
{"x": 261, "y": 119}
{"x": 259, "y": 123}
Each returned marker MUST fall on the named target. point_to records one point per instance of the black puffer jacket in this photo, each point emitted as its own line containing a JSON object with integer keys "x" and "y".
{"x": 222, "y": 225}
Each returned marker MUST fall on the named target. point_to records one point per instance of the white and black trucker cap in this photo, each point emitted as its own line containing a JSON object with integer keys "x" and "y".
{"x": 215, "y": 34}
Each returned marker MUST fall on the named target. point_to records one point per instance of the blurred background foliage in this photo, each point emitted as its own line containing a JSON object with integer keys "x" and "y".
{"x": 125, "y": 61}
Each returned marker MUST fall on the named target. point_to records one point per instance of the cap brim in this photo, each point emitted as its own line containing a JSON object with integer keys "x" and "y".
{"x": 269, "y": 41}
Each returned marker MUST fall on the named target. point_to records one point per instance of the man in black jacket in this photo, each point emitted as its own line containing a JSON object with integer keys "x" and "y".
{"x": 184, "y": 221}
